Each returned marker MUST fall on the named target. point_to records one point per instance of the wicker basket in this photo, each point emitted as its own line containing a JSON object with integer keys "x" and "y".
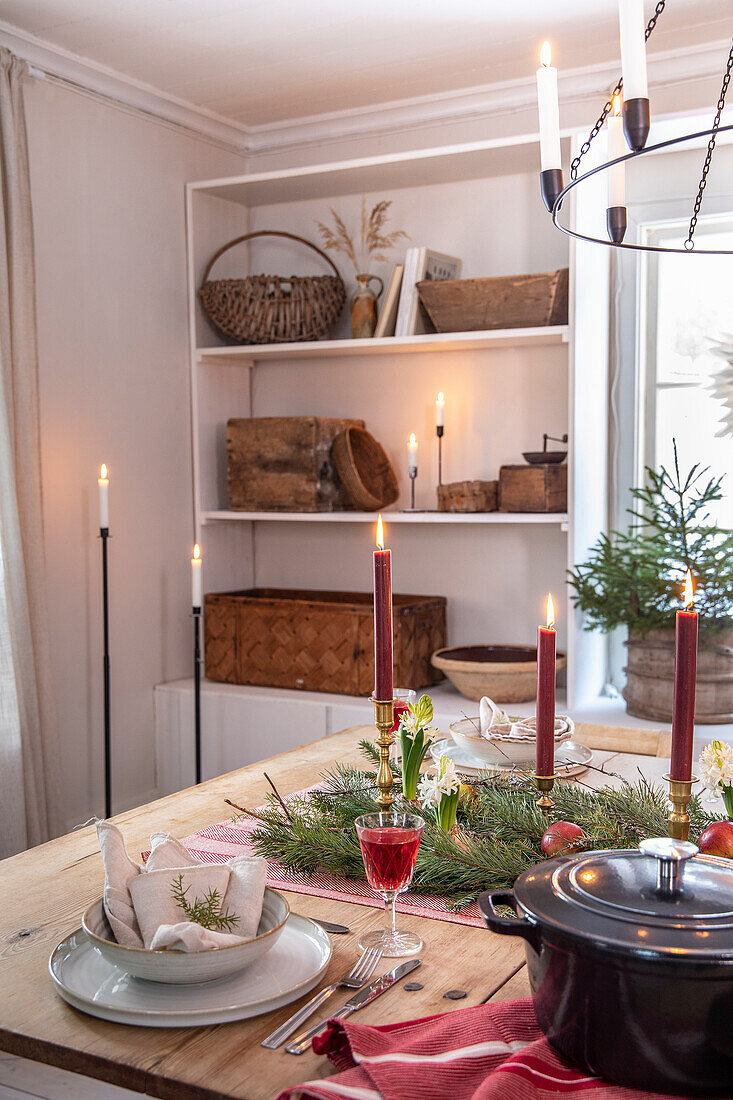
{"x": 317, "y": 641}
{"x": 273, "y": 309}
{"x": 365, "y": 470}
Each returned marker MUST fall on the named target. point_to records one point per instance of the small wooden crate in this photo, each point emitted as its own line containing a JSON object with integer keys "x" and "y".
{"x": 317, "y": 641}
{"x": 533, "y": 488}
{"x": 283, "y": 464}
{"x": 468, "y": 496}
{"x": 510, "y": 301}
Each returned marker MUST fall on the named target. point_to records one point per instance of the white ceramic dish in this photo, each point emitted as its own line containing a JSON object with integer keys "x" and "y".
{"x": 181, "y": 967}
{"x": 571, "y": 758}
{"x": 90, "y": 983}
{"x": 497, "y": 753}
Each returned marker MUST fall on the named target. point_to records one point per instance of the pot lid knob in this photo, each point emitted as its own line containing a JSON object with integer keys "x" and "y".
{"x": 671, "y": 856}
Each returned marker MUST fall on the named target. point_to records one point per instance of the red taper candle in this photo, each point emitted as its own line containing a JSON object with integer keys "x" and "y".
{"x": 382, "y": 619}
{"x": 545, "y": 751}
{"x": 685, "y": 669}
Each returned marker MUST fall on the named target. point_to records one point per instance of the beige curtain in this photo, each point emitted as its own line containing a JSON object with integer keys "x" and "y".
{"x": 28, "y": 752}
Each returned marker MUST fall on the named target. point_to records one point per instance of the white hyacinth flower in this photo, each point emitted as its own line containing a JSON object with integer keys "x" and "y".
{"x": 716, "y": 765}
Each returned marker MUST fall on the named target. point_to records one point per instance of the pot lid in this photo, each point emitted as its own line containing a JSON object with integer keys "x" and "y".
{"x": 663, "y": 897}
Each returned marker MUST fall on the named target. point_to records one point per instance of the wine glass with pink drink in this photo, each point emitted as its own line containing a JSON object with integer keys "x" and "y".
{"x": 389, "y": 843}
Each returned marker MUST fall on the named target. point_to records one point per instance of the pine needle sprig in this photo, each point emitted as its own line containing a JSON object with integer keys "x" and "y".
{"x": 206, "y": 911}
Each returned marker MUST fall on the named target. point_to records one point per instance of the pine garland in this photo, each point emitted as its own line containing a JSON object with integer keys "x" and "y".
{"x": 498, "y": 834}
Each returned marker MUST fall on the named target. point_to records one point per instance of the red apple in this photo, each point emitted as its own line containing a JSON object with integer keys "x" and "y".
{"x": 562, "y": 838}
{"x": 717, "y": 839}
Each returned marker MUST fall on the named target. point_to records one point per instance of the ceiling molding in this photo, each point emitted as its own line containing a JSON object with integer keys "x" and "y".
{"x": 576, "y": 86}
{"x": 46, "y": 59}
{"x": 482, "y": 103}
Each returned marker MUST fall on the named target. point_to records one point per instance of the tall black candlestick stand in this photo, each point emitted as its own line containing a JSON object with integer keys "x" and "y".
{"x": 197, "y": 687}
{"x": 104, "y": 535}
{"x": 413, "y": 475}
{"x": 439, "y": 432}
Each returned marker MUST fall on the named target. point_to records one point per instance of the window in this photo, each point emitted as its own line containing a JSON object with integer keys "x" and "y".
{"x": 689, "y": 304}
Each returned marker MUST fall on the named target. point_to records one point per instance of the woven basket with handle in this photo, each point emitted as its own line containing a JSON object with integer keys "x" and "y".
{"x": 273, "y": 309}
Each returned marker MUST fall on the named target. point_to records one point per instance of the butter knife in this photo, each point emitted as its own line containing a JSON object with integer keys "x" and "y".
{"x": 302, "y": 1042}
{"x": 329, "y": 926}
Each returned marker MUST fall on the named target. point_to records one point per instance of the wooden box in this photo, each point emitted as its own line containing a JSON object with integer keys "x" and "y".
{"x": 468, "y": 496}
{"x": 317, "y": 641}
{"x": 533, "y": 488}
{"x": 283, "y": 464}
{"x": 510, "y": 301}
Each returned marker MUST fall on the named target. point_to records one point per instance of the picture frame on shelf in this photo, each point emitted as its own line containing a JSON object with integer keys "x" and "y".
{"x": 388, "y": 313}
{"x": 421, "y": 264}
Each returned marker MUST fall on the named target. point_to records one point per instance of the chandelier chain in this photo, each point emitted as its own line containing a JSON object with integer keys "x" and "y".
{"x": 690, "y": 243}
{"x": 608, "y": 107}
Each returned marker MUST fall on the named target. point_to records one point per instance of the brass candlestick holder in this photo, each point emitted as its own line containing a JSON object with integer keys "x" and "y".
{"x": 680, "y": 793}
{"x": 545, "y": 783}
{"x": 384, "y": 721}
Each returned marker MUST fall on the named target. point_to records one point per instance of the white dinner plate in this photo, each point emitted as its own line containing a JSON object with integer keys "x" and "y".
{"x": 571, "y": 758}
{"x": 291, "y": 968}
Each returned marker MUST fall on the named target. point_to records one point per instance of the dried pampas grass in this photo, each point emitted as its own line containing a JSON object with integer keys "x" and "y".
{"x": 374, "y": 242}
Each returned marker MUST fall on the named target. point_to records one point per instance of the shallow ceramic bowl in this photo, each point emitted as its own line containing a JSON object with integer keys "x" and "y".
{"x": 503, "y": 753}
{"x": 184, "y": 967}
{"x": 506, "y": 673}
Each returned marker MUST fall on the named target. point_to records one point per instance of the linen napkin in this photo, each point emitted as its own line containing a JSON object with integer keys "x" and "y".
{"x": 496, "y": 724}
{"x": 139, "y": 902}
{"x": 489, "y": 1052}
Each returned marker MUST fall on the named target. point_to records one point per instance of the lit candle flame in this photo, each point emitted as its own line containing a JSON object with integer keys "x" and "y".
{"x": 103, "y": 472}
{"x": 380, "y": 533}
{"x": 687, "y": 595}
{"x": 545, "y": 55}
{"x": 441, "y": 399}
{"x": 196, "y": 552}
{"x": 550, "y": 612}
{"x": 617, "y": 104}
{"x": 413, "y": 440}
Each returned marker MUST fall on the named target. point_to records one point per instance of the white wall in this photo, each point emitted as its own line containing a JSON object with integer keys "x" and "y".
{"x": 108, "y": 201}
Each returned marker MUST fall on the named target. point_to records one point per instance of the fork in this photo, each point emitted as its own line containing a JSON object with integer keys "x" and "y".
{"x": 358, "y": 976}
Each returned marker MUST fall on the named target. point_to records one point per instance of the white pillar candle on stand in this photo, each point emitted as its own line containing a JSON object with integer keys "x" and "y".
{"x": 103, "y": 483}
{"x": 196, "y": 577}
{"x": 412, "y": 453}
{"x": 439, "y": 410}
{"x": 549, "y": 112}
{"x": 632, "y": 29}
{"x": 616, "y": 148}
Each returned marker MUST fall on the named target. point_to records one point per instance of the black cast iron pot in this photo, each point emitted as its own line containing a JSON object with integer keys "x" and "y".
{"x": 630, "y": 959}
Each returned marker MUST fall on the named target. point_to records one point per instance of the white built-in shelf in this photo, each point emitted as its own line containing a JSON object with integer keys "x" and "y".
{"x": 501, "y": 518}
{"x": 383, "y": 172}
{"x": 248, "y": 354}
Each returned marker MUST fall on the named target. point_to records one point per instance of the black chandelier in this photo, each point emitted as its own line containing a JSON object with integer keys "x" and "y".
{"x": 630, "y": 121}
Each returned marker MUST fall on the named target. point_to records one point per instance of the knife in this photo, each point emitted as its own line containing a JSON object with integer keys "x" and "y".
{"x": 302, "y": 1042}
{"x": 327, "y": 926}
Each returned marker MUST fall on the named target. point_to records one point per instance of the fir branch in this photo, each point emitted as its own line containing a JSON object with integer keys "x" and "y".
{"x": 498, "y": 835}
{"x": 206, "y": 911}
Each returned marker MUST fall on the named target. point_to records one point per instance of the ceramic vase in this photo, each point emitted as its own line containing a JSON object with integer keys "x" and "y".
{"x": 364, "y": 307}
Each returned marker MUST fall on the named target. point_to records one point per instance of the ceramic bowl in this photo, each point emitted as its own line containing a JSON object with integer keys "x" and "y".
{"x": 183, "y": 967}
{"x": 506, "y": 673}
{"x": 502, "y": 753}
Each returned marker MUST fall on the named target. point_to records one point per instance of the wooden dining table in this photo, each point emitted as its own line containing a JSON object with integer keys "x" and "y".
{"x": 45, "y": 891}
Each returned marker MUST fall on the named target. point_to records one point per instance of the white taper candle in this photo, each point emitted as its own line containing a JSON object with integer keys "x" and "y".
{"x": 633, "y": 48}
{"x": 549, "y": 112}
{"x": 196, "y": 577}
{"x": 103, "y": 483}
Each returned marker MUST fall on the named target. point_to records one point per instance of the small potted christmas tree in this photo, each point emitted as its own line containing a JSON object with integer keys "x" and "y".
{"x": 634, "y": 579}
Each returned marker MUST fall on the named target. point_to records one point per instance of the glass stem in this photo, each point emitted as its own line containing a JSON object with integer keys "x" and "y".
{"x": 394, "y": 913}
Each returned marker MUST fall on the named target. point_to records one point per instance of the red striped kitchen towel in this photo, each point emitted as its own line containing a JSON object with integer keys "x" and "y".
{"x": 489, "y": 1052}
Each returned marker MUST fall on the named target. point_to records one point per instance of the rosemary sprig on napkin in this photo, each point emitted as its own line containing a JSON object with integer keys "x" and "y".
{"x": 205, "y": 911}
